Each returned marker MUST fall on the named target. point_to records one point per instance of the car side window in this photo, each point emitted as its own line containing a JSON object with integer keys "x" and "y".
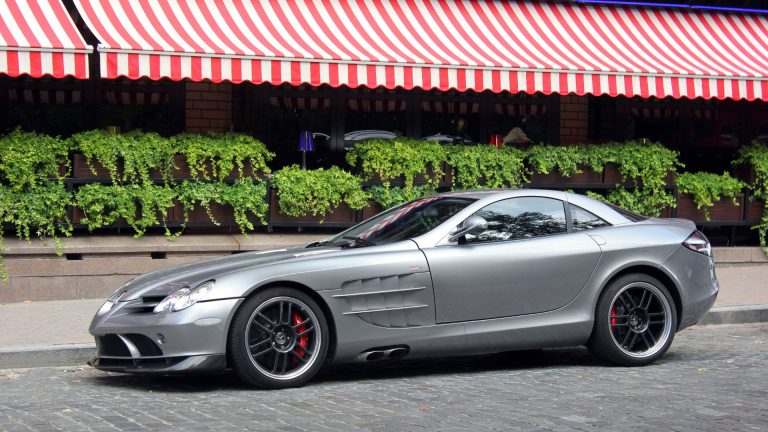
{"x": 520, "y": 218}
{"x": 584, "y": 220}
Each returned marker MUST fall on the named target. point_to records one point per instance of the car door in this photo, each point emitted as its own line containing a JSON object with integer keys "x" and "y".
{"x": 526, "y": 262}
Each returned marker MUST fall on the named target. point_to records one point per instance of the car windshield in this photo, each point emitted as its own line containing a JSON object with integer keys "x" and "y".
{"x": 401, "y": 223}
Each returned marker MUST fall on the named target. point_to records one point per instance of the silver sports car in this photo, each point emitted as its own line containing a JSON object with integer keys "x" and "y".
{"x": 449, "y": 274}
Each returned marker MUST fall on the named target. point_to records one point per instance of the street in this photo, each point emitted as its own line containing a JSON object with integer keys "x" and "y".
{"x": 713, "y": 378}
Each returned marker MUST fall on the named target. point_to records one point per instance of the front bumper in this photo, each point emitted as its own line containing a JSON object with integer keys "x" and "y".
{"x": 132, "y": 339}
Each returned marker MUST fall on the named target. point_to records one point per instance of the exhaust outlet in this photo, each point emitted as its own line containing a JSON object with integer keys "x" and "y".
{"x": 390, "y": 353}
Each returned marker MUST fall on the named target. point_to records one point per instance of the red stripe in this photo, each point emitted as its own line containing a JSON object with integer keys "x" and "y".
{"x": 645, "y": 90}
{"x": 216, "y": 69}
{"x": 705, "y": 88}
{"x": 389, "y": 77}
{"x": 351, "y": 76}
{"x": 57, "y": 64}
{"x": 256, "y": 71}
{"x": 154, "y": 22}
{"x": 314, "y": 74}
{"x": 546, "y": 87}
{"x": 737, "y": 38}
{"x": 443, "y": 74}
{"x": 675, "y": 82}
{"x": 257, "y": 34}
{"x": 133, "y": 66}
{"x": 566, "y": 40}
{"x": 333, "y": 74}
{"x": 735, "y": 92}
{"x": 613, "y": 84}
{"x": 747, "y": 23}
{"x": 629, "y": 89}
{"x": 43, "y": 24}
{"x": 275, "y": 71}
{"x": 23, "y": 24}
{"x": 128, "y": 9}
{"x": 432, "y": 37}
{"x": 596, "y": 85}
{"x": 361, "y": 29}
{"x": 764, "y": 89}
{"x": 563, "y": 84}
{"x": 222, "y": 34}
{"x": 154, "y": 67}
{"x": 111, "y": 65}
{"x": 690, "y": 88}
{"x": 496, "y": 81}
{"x": 296, "y": 77}
{"x": 697, "y": 40}
{"x": 81, "y": 65}
{"x": 503, "y": 20}
{"x": 197, "y": 30}
{"x": 236, "y": 66}
{"x": 371, "y": 76}
{"x": 338, "y": 25}
{"x": 462, "y": 37}
{"x": 71, "y": 32}
{"x": 118, "y": 27}
{"x": 461, "y": 79}
{"x": 176, "y": 68}
{"x": 660, "y": 87}
{"x": 196, "y": 69}
{"x": 514, "y": 85}
{"x": 426, "y": 78}
{"x": 593, "y": 44}
{"x": 639, "y": 39}
{"x": 703, "y": 27}
{"x": 750, "y": 90}
{"x": 720, "y": 83}
{"x": 479, "y": 84}
{"x": 383, "y": 33}
{"x": 290, "y": 26}
{"x": 407, "y": 77}
{"x": 321, "y": 32}
{"x": 12, "y": 59}
{"x": 170, "y": 15}
{"x": 580, "y": 84}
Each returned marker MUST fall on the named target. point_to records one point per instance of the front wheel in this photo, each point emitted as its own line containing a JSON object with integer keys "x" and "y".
{"x": 278, "y": 339}
{"x": 635, "y": 321}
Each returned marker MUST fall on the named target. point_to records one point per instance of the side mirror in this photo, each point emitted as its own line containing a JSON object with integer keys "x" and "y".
{"x": 472, "y": 225}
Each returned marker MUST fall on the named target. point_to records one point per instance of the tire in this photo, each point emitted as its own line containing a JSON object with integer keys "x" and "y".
{"x": 278, "y": 339}
{"x": 635, "y": 321}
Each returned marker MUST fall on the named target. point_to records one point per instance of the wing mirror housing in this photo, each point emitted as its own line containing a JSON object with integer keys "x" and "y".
{"x": 472, "y": 225}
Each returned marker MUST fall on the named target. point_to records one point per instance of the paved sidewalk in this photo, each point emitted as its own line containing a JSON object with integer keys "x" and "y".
{"x": 52, "y": 333}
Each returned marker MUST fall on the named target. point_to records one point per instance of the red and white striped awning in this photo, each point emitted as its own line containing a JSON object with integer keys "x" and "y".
{"x": 38, "y": 37}
{"x": 517, "y": 46}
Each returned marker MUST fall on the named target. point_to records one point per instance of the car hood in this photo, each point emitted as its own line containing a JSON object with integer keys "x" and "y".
{"x": 164, "y": 281}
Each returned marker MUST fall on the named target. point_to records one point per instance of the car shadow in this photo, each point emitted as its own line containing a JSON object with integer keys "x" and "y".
{"x": 376, "y": 370}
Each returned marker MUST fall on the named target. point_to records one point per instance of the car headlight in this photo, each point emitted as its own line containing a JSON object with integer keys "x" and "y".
{"x": 111, "y": 302}
{"x": 184, "y": 297}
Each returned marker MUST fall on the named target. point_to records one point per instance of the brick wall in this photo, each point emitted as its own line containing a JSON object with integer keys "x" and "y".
{"x": 208, "y": 107}
{"x": 574, "y": 119}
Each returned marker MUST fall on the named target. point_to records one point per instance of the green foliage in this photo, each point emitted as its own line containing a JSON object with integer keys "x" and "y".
{"x": 216, "y": 155}
{"x": 401, "y": 157}
{"x": 707, "y": 188}
{"x": 317, "y": 192}
{"x": 544, "y": 159}
{"x": 245, "y": 196}
{"x": 140, "y": 206}
{"x": 28, "y": 159}
{"x": 756, "y": 155}
{"x": 102, "y": 147}
{"x": 391, "y": 196}
{"x": 476, "y": 166}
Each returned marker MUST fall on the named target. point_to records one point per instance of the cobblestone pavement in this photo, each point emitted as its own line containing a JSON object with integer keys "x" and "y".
{"x": 713, "y": 378}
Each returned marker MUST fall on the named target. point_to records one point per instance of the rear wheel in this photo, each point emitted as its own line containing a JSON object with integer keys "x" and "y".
{"x": 279, "y": 338}
{"x": 635, "y": 321}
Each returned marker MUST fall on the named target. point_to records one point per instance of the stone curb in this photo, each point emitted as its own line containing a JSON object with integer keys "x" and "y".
{"x": 79, "y": 354}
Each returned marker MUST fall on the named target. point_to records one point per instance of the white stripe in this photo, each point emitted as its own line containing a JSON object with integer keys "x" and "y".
{"x": 713, "y": 88}
{"x": 752, "y": 42}
{"x": 304, "y": 37}
{"x": 305, "y": 74}
{"x": 453, "y": 80}
{"x": 509, "y": 56}
{"x": 24, "y": 62}
{"x": 757, "y": 88}
{"x": 571, "y": 45}
{"x": 571, "y": 80}
{"x": 102, "y": 17}
{"x": 454, "y": 58}
{"x": 165, "y": 65}
{"x": 206, "y": 71}
{"x": 247, "y": 31}
{"x": 357, "y": 13}
{"x": 635, "y": 85}
{"x": 136, "y": 34}
{"x": 394, "y": 37}
{"x": 251, "y": 11}
{"x": 555, "y": 58}
{"x": 4, "y": 62}
{"x": 667, "y": 83}
{"x": 285, "y": 71}
{"x": 220, "y": 45}
{"x": 381, "y": 75}
{"x": 266, "y": 70}
{"x": 522, "y": 81}
{"x": 349, "y": 47}
{"x": 479, "y": 53}
{"x": 651, "y": 86}
{"x": 226, "y": 69}
{"x": 690, "y": 62}
{"x": 421, "y": 55}
{"x": 731, "y": 58}
{"x": 504, "y": 78}
{"x": 144, "y": 65}
{"x": 538, "y": 80}
{"x": 186, "y": 66}
{"x": 323, "y": 28}
{"x": 34, "y": 24}
{"x": 604, "y": 84}
{"x": 742, "y": 88}
{"x": 150, "y": 30}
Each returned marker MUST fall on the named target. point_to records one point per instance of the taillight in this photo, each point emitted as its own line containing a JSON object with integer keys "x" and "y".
{"x": 698, "y": 242}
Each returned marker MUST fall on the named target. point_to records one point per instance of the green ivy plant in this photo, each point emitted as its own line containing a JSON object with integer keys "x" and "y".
{"x": 245, "y": 196}
{"x": 102, "y": 147}
{"x": 142, "y": 206}
{"x": 399, "y": 158}
{"x": 756, "y": 156}
{"x": 545, "y": 159}
{"x": 486, "y": 166}
{"x": 389, "y": 197}
{"x": 707, "y": 188}
{"x": 317, "y": 192}
{"x": 28, "y": 159}
{"x": 217, "y": 155}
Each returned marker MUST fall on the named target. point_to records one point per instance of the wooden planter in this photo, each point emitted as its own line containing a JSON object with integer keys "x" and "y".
{"x": 171, "y": 215}
{"x": 611, "y": 175}
{"x": 341, "y": 215}
{"x": 586, "y": 176}
{"x": 723, "y": 210}
{"x": 754, "y": 210}
{"x": 81, "y": 168}
{"x": 183, "y": 171}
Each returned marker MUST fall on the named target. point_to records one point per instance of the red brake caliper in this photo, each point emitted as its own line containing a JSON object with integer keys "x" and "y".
{"x": 613, "y": 319}
{"x": 303, "y": 340}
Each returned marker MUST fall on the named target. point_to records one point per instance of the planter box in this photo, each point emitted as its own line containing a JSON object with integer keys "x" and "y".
{"x": 340, "y": 215}
{"x": 170, "y": 216}
{"x": 81, "y": 168}
{"x": 723, "y": 210}
{"x": 182, "y": 170}
{"x": 611, "y": 175}
{"x": 586, "y": 176}
{"x": 755, "y": 210}
{"x": 745, "y": 173}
